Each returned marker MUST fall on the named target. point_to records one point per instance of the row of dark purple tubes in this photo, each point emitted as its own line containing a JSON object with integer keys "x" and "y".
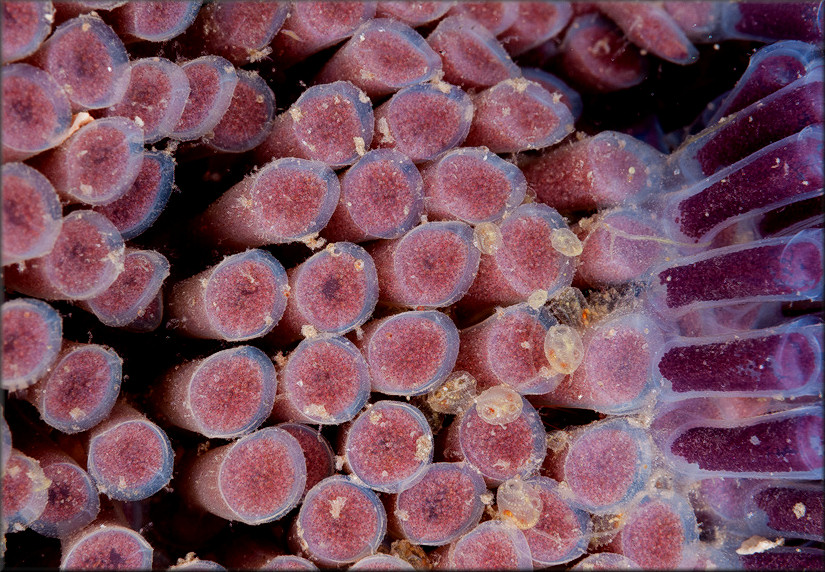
{"x": 364, "y": 284}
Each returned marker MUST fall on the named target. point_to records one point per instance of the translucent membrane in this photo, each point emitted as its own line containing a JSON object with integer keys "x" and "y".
{"x": 786, "y": 508}
{"x": 406, "y": 446}
{"x": 557, "y": 88}
{"x": 85, "y": 260}
{"x": 106, "y": 546}
{"x": 197, "y": 564}
{"x": 501, "y": 452}
{"x": 339, "y": 522}
{"x": 606, "y": 464}
{"x": 332, "y": 123}
{"x": 156, "y": 96}
{"x": 562, "y": 532}
{"x": 617, "y": 65}
{"x": 212, "y": 82}
{"x": 25, "y": 492}
{"x": 658, "y": 531}
{"x": 433, "y": 265}
{"x": 141, "y": 205}
{"x": 772, "y": 118}
{"x": 381, "y": 197}
{"x": 606, "y": 170}
{"x": 129, "y": 457}
{"x": 606, "y": 561}
{"x": 494, "y": 16}
{"x": 617, "y": 371}
{"x": 800, "y": 21}
{"x": 508, "y": 348}
{"x": 98, "y": 163}
{"x": 151, "y": 318}
{"x": 318, "y": 454}
{"x": 441, "y": 507}
{"x": 774, "y": 175}
{"x": 225, "y": 395}
{"x": 133, "y": 291}
{"x": 782, "y": 361}
{"x": 412, "y": 14}
{"x": 81, "y": 388}
{"x": 424, "y": 120}
{"x": 409, "y": 353}
{"x": 526, "y": 261}
{"x": 228, "y": 481}
{"x": 36, "y": 111}
{"x": 248, "y": 119}
{"x": 155, "y": 21}
{"x": 25, "y": 26}
{"x": 241, "y": 298}
{"x": 365, "y": 60}
{"x": 471, "y": 56}
{"x": 324, "y": 381}
{"x": 382, "y": 562}
{"x": 535, "y": 23}
{"x": 770, "y": 68}
{"x": 473, "y": 185}
{"x": 288, "y": 200}
{"x": 334, "y": 291}
{"x": 290, "y": 562}
{"x": 88, "y": 60}
{"x": 312, "y": 26}
{"x": 490, "y": 545}
{"x": 786, "y": 445}
{"x": 5, "y": 440}
{"x": 517, "y": 115}
{"x": 620, "y": 246}
{"x": 775, "y": 269}
{"x": 73, "y": 499}
{"x": 652, "y": 29}
{"x": 241, "y": 31}
{"x": 32, "y": 336}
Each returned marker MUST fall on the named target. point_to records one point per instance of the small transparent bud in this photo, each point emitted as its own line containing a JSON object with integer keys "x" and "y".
{"x": 455, "y": 395}
{"x": 563, "y": 348}
{"x": 519, "y": 503}
{"x": 499, "y": 405}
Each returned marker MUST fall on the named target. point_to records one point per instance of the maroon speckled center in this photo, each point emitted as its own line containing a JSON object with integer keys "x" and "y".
{"x": 439, "y": 506}
{"x": 204, "y": 87}
{"x": 329, "y": 123}
{"x": 601, "y": 466}
{"x": 473, "y": 189}
{"x": 490, "y": 549}
{"x": 78, "y": 386}
{"x": 108, "y": 550}
{"x": 653, "y": 537}
{"x": 25, "y": 341}
{"x": 379, "y": 196}
{"x": 501, "y": 451}
{"x": 405, "y": 353}
{"x": 68, "y": 493}
{"x": 98, "y": 160}
{"x": 128, "y": 456}
{"x": 257, "y": 477}
{"x": 226, "y": 394}
{"x": 242, "y": 298}
{"x": 331, "y": 291}
{"x": 339, "y": 523}
{"x": 327, "y": 375}
{"x": 432, "y": 264}
{"x": 288, "y": 200}
{"x": 30, "y": 120}
{"x": 133, "y": 207}
{"x": 382, "y": 446}
{"x": 80, "y": 61}
{"x": 148, "y": 96}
